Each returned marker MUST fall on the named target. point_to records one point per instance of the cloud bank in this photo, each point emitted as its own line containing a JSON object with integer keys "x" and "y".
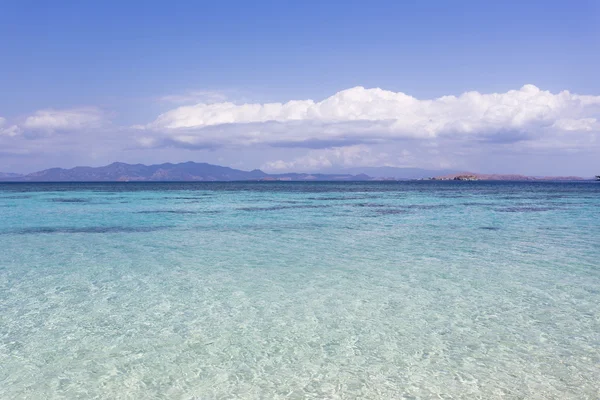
{"x": 64, "y": 120}
{"x": 348, "y": 156}
{"x": 360, "y": 115}
{"x": 9, "y": 131}
{"x": 354, "y": 127}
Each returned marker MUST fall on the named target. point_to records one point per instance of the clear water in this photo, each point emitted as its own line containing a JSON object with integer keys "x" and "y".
{"x": 425, "y": 290}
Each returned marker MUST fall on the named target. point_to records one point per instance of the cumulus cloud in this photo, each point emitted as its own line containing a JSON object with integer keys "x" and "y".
{"x": 348, "y": 156}
{"x": 58, "y": 131}
{"x": 582, "y": 124}
{"x": 51, "y": 120}
{"x": 362, "y": 115}
{"x": 10, "y": 131}
{"x": 354, "y": 127}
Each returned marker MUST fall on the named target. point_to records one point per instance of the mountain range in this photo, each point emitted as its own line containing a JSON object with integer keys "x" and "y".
{"x": 192, "y": 171}
{"x": 9, "y": 175}
{"x": 188, "y": 171}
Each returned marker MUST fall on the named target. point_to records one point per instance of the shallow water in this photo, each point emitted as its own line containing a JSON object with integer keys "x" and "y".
{"x": 422, "y": 290}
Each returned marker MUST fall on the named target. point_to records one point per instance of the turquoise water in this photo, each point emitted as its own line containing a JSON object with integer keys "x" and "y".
{"x": 424, "y": 290}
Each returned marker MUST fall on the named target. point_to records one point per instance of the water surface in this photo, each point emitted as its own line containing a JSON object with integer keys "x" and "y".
{"x": 416, "y": 290}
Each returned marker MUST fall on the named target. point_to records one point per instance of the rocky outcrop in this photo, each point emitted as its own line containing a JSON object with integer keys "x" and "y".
{"x": 466, "y": 178}
{"x": 469, "y": 176}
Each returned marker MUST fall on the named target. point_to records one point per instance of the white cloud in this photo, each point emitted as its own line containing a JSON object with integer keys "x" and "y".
{"x": 348, "y": 156}
{"x": 10, "y": 131}
{"x": 63, "y": 120}
{"x": 362, "y": 115}
{"x": 145, "y": 141}
{"x": 355, "y": 127}
{"x": 583, "y": 124}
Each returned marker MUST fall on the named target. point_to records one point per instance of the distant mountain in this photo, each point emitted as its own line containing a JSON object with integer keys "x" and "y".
{"x": 398, "y": 173}
{"x": 189, "y": 171}
{"x": 192, "y": 171}
{"x": 9, "y": 175}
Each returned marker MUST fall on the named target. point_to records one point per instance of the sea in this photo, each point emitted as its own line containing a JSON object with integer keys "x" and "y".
{"x": 294, "y": 290}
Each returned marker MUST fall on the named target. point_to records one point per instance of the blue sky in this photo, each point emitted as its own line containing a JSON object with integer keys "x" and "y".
{"x": 88, "y": 83}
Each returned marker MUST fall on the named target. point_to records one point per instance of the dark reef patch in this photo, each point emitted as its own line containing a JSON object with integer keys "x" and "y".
{"x": 17, "y": 197}
{"x": 489, "y": 228}
{"x": 69, "y": 200}
{"x": 450, "y": 196}
{"x": 524, "y": 209}
{"x": 167, "y": 212}
{"x": 391, "y": 211}
{"x": 370, "y": 205}
{"x": 91, "y": 229}
{"x": 282, "y": 207}
{"x": 403, "y": 207}
{"x": 197, "y": 197}
{"x": 424, "y": 206}
{"x": 338, "y": 198}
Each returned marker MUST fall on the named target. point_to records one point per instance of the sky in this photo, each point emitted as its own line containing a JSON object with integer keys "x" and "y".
{"x": 491, "y": 87}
